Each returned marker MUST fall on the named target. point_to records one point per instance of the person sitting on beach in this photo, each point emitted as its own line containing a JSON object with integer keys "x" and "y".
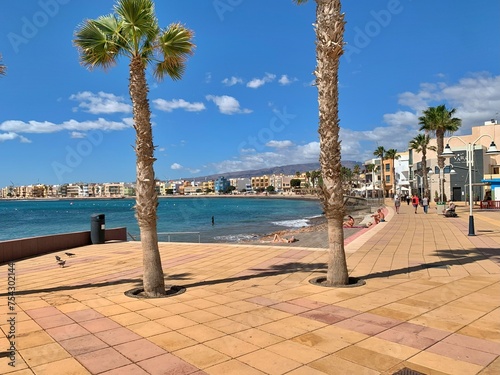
{"x": 278, "y": 238}
{"x": 349, "y": 223}
{"x": 378, "y": 216}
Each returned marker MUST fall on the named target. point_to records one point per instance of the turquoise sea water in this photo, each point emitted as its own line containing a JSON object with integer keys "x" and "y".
{"x": 235, "y": 219}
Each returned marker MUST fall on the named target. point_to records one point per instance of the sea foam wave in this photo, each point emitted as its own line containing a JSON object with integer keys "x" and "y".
{"x": 235, "y": 238}
{"x": 297, "y": 223}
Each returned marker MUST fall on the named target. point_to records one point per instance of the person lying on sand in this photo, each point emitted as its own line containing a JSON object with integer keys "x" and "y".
{"x": 278, "y": 238}
{"x": 349, "y": 223}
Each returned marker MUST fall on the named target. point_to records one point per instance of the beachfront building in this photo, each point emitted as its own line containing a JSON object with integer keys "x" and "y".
{"x": 114, "y": 189}
{"x": 221, "y": 185}
{"x": 402, "y": 173}
{"x": 241, "y": 185}
{"x": 260, "y": 182}
{"x": 485, "y": 172}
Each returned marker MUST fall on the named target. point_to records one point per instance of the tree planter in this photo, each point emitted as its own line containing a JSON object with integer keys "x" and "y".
{"x": 441, "y": 207}
{"x": 353, "y": 282}
{"x": 170, "y": 291}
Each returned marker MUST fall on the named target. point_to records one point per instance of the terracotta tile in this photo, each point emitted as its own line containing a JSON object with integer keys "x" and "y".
{"x": 99, "y": 325}
{"x": 473, "y": 343}
{"x": 102, "y": 360}
{"x": 406, "y": 338}
{"x": 167, "y": 364}
{"x": 139, "y": 350}
{"x": 43, "y": 312}
{"x": 117, "y": 336}
{"x": 67, "y": 332}
{"x": 358, "y": 326}
{"x": 462, "y": 353}
{"x": 54, "y": 321}
{"x": 322, "y": 316}
{"x": 82, "y": 344}
{"x": 84, "y": 315}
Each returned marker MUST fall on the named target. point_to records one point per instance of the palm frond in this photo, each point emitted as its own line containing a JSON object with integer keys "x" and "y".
{"x": 99, "y": 42}
{"x": 174, "y": 45}
{"x": 139, "y": 21}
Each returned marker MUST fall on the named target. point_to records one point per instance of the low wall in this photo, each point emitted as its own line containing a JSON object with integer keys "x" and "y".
{"x": 28, "y": 247}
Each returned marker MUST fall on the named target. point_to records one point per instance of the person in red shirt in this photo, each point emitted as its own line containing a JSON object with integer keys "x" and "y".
{"x": 414, "y": 202}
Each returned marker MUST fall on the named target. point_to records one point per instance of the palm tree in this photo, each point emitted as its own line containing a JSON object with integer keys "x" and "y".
{"x": 393, "y": 155}
{"x": 329, "y": 28}
{"x": 3, "y": 68}
{"x": 380, "y": 153}
{"x": 132, "y": 31}
{"x": 421, "y": 144}
{"x": 439, "y": 121}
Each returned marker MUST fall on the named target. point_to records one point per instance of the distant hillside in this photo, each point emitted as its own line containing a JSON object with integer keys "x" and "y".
{"x": 285, "y": 169}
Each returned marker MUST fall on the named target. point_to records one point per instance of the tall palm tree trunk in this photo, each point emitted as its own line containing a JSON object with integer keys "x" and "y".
{"x": 146, "y": 197}
{"x": 441, "y": 160}
{"x": 425, "y": 182}
{"x": 329, "y": 48}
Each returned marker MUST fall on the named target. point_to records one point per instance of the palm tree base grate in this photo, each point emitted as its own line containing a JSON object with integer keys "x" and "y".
{"x": 171, "y": 290}
{"x": 408, "y": 371}
{"x": 353, "y": 282}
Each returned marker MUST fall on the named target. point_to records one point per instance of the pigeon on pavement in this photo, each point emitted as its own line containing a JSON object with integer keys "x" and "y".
{"x": 58, "y": 258}
{"x": 70, "y": 254}
{"x": 61, "y": 263}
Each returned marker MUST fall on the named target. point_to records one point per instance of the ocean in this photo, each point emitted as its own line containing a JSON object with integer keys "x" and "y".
{"x": 235, "y": 218}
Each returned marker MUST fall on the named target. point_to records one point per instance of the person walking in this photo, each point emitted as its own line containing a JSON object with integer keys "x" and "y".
{"x": 414, "y": 202}
{"x": 408, "y": 199}
{"x": 425, "y": 204}
{"x": 397, "y": 203}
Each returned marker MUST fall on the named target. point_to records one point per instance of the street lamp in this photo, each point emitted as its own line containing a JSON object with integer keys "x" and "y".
{"x": 469, "y": 158}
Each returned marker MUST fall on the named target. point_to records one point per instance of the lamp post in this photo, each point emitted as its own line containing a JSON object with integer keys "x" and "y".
{"x": 469, "y": 159}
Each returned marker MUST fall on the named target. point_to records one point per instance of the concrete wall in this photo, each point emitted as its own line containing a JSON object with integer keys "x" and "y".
{"x": 28, "y": 247}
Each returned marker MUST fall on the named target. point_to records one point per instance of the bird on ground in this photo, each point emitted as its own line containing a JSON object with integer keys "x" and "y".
{"x": 58, "y": 258}
{"x": 61, "y": 263}
{"x": 70, "y": 254}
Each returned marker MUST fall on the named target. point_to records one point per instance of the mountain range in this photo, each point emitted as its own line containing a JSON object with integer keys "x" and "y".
{"x": 284, "y": 169}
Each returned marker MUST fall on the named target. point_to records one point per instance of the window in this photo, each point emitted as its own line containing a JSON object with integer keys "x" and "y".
{"x": 496, "y": 170}
{"x": 387, "y": 178}
{"x": 387, "y": 167}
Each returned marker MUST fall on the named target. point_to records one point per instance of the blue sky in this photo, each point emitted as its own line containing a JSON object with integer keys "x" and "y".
{"x": 246, "y": 100}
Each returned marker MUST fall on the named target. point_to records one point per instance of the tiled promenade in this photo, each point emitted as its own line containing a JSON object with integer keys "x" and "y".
{"x": 431, "y": 303}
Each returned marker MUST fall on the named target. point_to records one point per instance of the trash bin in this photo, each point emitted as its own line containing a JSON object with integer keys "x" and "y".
{"x": 97, "y": 229}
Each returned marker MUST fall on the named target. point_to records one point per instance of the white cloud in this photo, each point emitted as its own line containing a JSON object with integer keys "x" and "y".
{"x": 176, "y": 166}
{"x": 36, "y": 127}
{"x": 169, "y": 106}
{"x": 284, "y": 80}
{"x": 258, "y": 82}
{"x": 77, "y": 135}
{"x": 227, "y": 104}
{"x": 101, "y": 103}
{"x": 232, "y": 81}
{"x": 279, "y": 144}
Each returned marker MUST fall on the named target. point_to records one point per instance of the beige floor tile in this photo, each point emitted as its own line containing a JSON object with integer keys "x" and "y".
{"x": 233, "y": 367}
{"x": 201, "y": 333}
{"x": 296, "y": 351}
{"x": 175, "y": 322}
{"x": 68, "y": 366}
{"x": 269, "y": 362}
{"x": 334, "y": 365}
{"x": 200, "y": 316}
{"x": 148, "y": 328}
{"x": 258, "y": 337}
{"x": 444, "y": 364}
{"x": 231, "y": 346}
{"x": 110, "y": 310}
{"x": 201, "y": 356}
{"x": 227, "y": 326}
{"x": 44, "y": 354}
{"x": 387, "y": 347}
{"x": 32, "y": 339}
{"x": 128, "y": 318}
{"x": 172, "y": 341}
